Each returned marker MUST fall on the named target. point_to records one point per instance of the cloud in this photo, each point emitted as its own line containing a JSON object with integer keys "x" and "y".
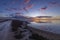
{"x": 26, "y": 1}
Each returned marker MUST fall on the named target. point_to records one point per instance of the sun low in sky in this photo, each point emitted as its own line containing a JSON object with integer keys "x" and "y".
{"x": 30, "y": 7}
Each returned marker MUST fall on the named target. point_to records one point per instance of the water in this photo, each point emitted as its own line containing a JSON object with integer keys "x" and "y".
{"x": 54, "y": 26}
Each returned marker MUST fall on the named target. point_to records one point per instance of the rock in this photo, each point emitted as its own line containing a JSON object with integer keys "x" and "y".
{"x": 15, "y": 24}
{"x": 37, "y": 37}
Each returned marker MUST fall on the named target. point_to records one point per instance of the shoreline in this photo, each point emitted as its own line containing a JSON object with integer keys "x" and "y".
{"x": 46, "y": 34}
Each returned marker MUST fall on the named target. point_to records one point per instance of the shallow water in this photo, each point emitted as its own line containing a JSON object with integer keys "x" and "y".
{"x": 54, "y": 26}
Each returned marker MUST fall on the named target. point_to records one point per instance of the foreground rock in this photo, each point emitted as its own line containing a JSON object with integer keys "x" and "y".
{"x": 22, "y": 32}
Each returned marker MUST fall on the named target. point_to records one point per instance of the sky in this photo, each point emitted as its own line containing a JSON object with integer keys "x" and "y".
{"x": 30, "y": 7}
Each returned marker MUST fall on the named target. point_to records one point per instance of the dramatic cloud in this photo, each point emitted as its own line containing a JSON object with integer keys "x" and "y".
{"x": 28, "y": 7}
{"x": 26, "y": 1}
{"x": 43, "y": 8}
{"x": 54, "y": 3}
{"x": 25, "y": 9}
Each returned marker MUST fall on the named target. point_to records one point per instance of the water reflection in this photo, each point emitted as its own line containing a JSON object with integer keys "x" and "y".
{"x": 54, "y": 26}
{"x": 56, "y": 21}
{"x": 48, "y": 21}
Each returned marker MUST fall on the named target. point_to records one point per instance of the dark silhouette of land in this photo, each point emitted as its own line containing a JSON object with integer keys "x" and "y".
{"x": 12, "y": 29}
